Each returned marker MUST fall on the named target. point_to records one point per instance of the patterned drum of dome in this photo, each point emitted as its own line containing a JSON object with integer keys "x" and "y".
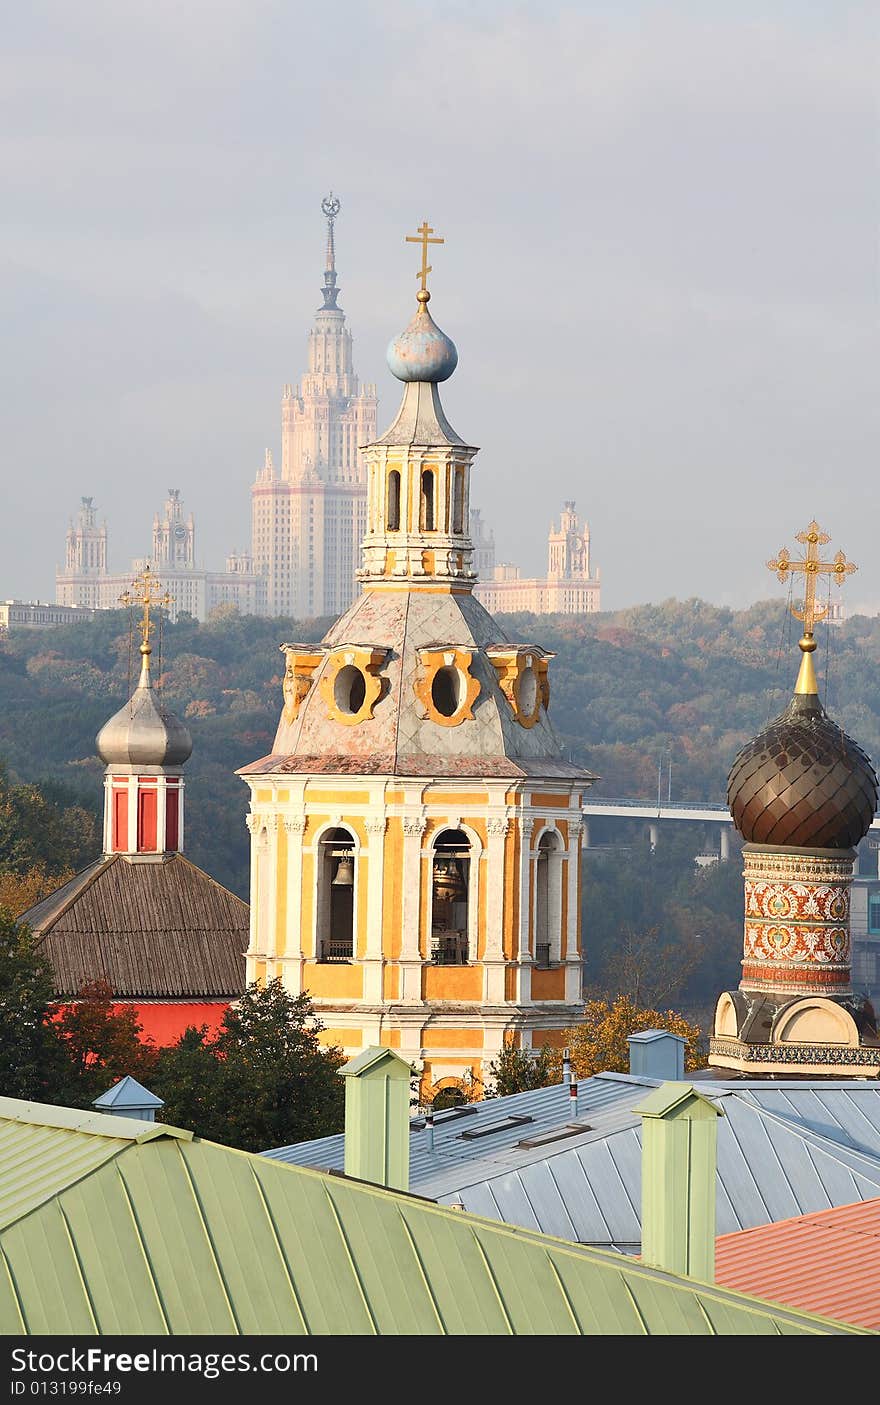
{"x": 802, "y": 783}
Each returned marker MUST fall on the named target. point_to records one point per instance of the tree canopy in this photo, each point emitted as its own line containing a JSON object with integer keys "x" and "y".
{"x": 682, "y": 679}
{"x": 599, "y": 1045}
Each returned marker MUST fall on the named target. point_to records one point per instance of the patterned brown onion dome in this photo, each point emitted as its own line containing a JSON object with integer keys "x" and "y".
{"x": 802, "y": 783}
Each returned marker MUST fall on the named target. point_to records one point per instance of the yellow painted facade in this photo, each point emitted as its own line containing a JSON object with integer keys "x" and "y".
{"x": 416, "y": 831}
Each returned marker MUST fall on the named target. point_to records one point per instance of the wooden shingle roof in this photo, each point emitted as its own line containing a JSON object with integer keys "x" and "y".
{"x": 154, "y": 930}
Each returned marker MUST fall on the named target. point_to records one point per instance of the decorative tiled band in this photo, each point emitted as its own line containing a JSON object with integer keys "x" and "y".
{"x": 796, "y": 922}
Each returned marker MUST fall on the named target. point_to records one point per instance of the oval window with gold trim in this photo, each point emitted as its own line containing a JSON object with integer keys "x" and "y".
{"x": 349, "y": 689}
{"x": 447, "y": 691}
{"x": 527, "y": 692}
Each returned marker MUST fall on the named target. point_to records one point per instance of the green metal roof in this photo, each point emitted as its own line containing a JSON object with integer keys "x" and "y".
{"x": 159, "y": 1233}
{"x": 677, "y": 1097}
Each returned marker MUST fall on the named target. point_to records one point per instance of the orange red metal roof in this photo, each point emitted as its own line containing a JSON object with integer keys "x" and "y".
{"x": 826, "y": 1262}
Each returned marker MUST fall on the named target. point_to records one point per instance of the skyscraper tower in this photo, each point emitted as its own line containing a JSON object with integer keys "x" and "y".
{"x": 308, "y": 521}
{"x": 174, "y": 536}
{"x": 85, "y": 560}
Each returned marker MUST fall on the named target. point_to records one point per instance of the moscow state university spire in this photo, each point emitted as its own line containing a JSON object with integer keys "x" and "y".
{"x": 309, "y": 519}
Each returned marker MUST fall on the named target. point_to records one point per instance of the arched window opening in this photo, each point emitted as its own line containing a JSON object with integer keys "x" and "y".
{"x": 394, "y": 501}
{"x": 450, "y": 888}
{"x": 350, "y": 689}
{"x": 458, "y": 500}
{"x": 548, "y": 901}
{"x": 336, "y": 889}
{"x": 447, "y": 691}
{"x": 426, "y": 515}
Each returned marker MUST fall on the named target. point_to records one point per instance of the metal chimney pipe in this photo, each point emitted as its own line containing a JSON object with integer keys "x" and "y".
{"x": 572, "y": 1099}
{"x": 566, "y": 1065}
{"x": 429, "y": 1131}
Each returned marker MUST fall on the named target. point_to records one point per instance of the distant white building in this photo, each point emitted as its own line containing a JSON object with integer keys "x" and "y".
{"x": 36, "y": 614}
{"x": 569, "y": 588}
{"x": 86, "y": 581}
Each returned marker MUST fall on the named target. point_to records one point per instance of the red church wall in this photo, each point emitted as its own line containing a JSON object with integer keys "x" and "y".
{"x": 120, "y": 821}
{"x": 172, "y": 829}
{"x": 147, "y": 821}
{"x": 165, "y": 1022}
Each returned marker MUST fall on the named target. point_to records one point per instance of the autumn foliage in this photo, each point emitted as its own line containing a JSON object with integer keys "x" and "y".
{"x": 599, "y": 1044}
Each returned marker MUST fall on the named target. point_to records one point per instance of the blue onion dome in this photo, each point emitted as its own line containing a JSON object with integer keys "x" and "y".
{"x": 422, "y": 352}
{"x": 143, "y": 732}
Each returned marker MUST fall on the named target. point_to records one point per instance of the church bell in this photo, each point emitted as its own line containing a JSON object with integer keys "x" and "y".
{"x": 448, "y": 882}
{"x": 344, "y": 875}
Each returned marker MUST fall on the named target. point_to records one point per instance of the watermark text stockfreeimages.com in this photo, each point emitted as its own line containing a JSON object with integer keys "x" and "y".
{"x": 92, "y": 1361}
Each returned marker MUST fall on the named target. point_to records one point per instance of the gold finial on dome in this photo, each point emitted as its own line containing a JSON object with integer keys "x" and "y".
{"x": 146, "y": 590}
{"x": 423, "y": 238}
{"x": 812, "y": 567}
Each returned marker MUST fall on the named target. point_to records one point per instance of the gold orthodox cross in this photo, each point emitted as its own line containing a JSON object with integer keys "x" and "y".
{"x": 423, "y": 238}
{"x": 812, "y": 567}
{"x": 146, "y": 591}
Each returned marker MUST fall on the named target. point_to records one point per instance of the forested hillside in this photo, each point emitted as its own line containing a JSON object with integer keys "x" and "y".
{"x": 680, "y": 680}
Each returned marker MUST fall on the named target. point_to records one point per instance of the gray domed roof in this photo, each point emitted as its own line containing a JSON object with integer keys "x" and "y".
{"x": 803, "y": 783}
{"x": 400, "y": 739}
{"x": 422, "y": 352}
{"x": 143, "y": 732}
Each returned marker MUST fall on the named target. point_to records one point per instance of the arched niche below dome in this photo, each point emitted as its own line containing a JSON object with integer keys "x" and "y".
{"x": 815, "y": 1021}
{"x": 726, "y": 1023}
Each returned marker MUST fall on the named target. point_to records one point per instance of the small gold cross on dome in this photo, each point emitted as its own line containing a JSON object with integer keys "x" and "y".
{"x": 423, "y": 237}
{"x": 811, "y": 567}
{"x": 146, "y": 590}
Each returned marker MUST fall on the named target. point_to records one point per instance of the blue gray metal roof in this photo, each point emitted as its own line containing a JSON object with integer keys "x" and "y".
{"x": 128, "y": 1093}
{"x": 782, "y": 1151}
{"x": 545, "y": 1107}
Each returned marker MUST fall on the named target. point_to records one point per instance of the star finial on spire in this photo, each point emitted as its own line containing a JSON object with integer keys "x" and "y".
{"x": 330, "y": 205}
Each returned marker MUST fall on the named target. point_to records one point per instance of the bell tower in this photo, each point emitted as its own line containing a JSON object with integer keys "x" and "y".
{"x": 416, "y": 830}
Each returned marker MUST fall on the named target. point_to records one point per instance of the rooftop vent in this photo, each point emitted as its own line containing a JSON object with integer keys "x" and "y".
{"x": 491, "y": 1128}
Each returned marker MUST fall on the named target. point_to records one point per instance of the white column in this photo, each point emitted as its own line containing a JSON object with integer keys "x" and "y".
{"x": 271, "y": 891}
{"x": 494, "y": 963}
{"x": 132, "y": 844}
{"x": 573, "y": 959}
{"x": 180, "y": 814}
{"x": 410, "y": 954}
{"x": 161, "y": 814}
{"x": 294, "y": 826}
{"x": 524, "y": 959}
{"x": 373, "y": 953}
{"x": 254, "y": 824}
{"x": 725, "y": 843}
{"x": 108, "y": 813}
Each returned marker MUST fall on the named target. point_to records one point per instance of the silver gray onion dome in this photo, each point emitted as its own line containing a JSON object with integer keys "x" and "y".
{"x": 143, "y": 732}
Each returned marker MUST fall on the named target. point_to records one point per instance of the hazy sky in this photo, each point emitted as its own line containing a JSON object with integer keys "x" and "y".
{"x": 661, "y": 270}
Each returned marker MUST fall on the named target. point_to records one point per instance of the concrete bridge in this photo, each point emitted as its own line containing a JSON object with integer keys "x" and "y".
{"x": 700, "y": 810}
